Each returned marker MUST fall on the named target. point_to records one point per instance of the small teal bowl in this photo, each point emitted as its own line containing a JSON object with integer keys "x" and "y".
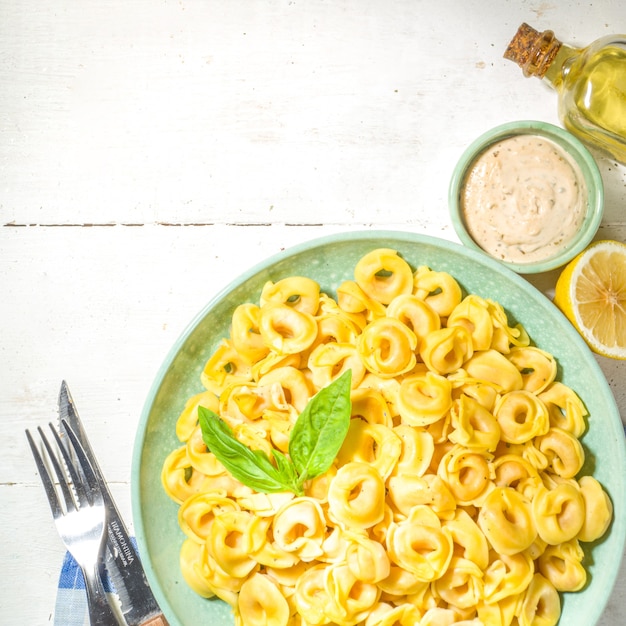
{"x": 581, "y": 156}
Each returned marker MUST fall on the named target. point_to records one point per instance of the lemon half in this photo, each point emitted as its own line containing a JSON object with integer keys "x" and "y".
{"x": 591, "y": 292}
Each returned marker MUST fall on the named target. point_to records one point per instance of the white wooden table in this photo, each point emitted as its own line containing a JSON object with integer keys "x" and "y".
{"x": 150, "y": 151}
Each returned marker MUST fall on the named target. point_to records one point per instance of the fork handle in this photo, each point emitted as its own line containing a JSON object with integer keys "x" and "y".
{"x": 100, "y": 611}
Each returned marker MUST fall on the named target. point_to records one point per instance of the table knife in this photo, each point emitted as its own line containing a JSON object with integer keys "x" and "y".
{"x": 138, "y": 604}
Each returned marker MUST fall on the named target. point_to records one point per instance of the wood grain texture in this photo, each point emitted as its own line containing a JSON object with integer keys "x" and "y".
{"x": 150, "y": 152}
{"x": 261, "y": 111}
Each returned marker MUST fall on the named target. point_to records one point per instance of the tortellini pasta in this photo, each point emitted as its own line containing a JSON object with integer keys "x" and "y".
{"x": 261, "y": 602}
{"x": 382, "y": 274}
{"x": 424, "y": 398}
{"x": 356, "y": 496}
{"x": 420, "y": 544}
{"x": 456, "y": 497}
{"x": 387, "y": 347}
{"x": 506, "y": 518}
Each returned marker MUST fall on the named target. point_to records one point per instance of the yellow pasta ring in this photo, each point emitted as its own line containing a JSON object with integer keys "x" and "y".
{"x": 382, "y": 274}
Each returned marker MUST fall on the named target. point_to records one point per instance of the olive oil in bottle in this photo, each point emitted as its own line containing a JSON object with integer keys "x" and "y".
{"x": 590, "y": 83}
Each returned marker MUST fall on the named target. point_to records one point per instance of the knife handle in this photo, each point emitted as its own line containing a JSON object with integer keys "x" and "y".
{"x": 158, "y": 620}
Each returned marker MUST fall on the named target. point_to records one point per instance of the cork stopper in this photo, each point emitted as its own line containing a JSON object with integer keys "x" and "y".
{"x": 532, "y": 50}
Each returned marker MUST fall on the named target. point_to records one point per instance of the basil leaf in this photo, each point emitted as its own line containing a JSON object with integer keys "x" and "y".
{"x": 314, "y": 442}
{"x": 253, "y": 468}
{"x": 287, "y": 471}
{"x": 321, "y": 428}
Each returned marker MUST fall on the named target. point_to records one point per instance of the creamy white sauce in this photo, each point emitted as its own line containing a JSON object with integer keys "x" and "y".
{"x": 523, "y": 199}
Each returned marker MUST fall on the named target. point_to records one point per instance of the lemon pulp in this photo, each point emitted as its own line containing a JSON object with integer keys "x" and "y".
{"x": 591, "y": 292}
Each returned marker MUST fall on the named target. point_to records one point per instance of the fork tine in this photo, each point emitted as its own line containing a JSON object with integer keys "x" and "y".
{"x": 45, "y": 478}
{"x": 70, "y": 503}
{"x": 66, "y": 441}
{"x": 93, "y": 492}
{"x": 77, "y": 481}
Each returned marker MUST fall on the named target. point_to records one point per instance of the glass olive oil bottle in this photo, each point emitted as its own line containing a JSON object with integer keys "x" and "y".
{"x": 590, "y": 82}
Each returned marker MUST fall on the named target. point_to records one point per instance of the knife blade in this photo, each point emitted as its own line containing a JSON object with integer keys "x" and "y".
{"x": 139, "y": 605}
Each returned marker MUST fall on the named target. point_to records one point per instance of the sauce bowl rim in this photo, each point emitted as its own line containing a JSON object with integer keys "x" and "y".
{"x": 567, "y": 142}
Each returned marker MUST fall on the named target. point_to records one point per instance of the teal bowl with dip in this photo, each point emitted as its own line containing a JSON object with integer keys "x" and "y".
{"x": 527, "y": 193}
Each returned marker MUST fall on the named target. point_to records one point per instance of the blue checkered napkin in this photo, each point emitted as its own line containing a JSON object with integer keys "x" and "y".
{"x": 71, "y": 602}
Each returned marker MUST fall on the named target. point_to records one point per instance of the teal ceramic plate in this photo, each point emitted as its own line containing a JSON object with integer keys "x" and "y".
{"x": 330, "y": 261}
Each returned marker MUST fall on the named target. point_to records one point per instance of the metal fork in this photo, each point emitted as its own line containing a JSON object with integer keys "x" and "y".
{"x": 80, "y": 519}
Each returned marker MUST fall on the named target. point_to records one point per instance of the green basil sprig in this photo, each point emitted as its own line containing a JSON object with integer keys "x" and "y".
{"x": 314, "y": 442}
